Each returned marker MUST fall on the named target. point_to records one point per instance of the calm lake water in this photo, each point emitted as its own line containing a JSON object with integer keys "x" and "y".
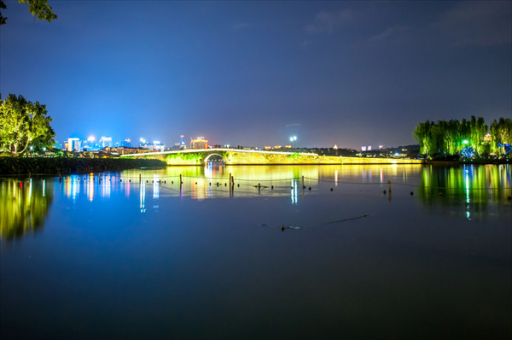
{"x": 84, "y": 259}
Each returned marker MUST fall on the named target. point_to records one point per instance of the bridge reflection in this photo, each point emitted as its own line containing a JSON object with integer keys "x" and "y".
{"x": 24, "y": 203}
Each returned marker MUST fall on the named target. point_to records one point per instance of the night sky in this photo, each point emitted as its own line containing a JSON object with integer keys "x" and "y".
{"x": 255, "y": 73}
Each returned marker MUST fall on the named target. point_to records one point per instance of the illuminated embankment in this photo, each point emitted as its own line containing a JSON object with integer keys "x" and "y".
{"x": 254, "y": 157}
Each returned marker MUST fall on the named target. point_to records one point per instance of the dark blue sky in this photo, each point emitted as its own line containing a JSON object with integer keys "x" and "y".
{"x": 239, "y": 72}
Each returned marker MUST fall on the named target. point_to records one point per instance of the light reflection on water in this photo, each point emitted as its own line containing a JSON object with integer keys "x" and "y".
{"x": 434, "y": 185}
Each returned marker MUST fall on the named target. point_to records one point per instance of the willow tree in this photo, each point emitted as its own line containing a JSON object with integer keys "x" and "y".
{"x": 501, "y": 133}
{"x": 478, "y": 131}
{"x": 505, "y": 130}
{"x": 421, "y": 133}
{"x": 464, "y": 131}
{"x": 496, "y": 138}
{"x": 40, "y": 9}
{"x": 23, "y": 123}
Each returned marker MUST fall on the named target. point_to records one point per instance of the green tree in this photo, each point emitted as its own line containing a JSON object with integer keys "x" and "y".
{"x": 464, "y": 131}
{"x": 421, "y": 133}
{"x": 478, "y": 131}
{"x": 38, "y": 8}
{"x": 23, "y": 123}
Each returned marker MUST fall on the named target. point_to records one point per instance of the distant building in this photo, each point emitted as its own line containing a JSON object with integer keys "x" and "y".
{"x": 178, "y": 146}
{"x": 157, "y": 146}
{"x": 74, "y": 144}
{"x": 105, "y": 142}
{"x": 288, "y": 146}
{"x": 127, "y": 143}
{"x": 182, "y": 141}
{"x": 268, "y": 148}
{"x": 277, "y": 147}
{"x": 199, "y": 143}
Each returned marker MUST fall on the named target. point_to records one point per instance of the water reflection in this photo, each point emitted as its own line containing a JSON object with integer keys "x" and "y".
{"x": 475, "y": 184}
{"x": 24, "y": 206}
{"x": 211, "y": 181}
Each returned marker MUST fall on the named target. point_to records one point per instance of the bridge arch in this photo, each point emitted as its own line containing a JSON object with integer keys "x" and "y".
{"x": 213, "y": 154}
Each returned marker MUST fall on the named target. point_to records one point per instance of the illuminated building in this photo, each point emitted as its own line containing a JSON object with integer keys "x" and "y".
{"x": 369, "y": 148}
{"x": 74, "y": 144}
{"x": 277, "y": 147}
{"x": 126, "y": 143}
{"x": 335, "y": 147}
{"x": 157, "y": 146}
{"x": 363, "y": 148}
{"x": 488, "y": 138}
{"x": 105, "y": 142}
{"x": 268, "y": 148}
{"x": 288, "y": 146}
{"x": 143, "y": 144}
{"x": 199, "y": 143}
{"x": 182, "y": 141}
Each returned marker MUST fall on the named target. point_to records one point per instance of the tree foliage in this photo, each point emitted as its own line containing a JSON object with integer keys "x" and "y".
{"x": 23, "y": 123}
{"x": 451, "y": 137}
{"x": 38, "y": 8}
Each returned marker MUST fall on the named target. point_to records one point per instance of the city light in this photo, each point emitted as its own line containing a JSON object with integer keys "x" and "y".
{"x": 91, "y": 139}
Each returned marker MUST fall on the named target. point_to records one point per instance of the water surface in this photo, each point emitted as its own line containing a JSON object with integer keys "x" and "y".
{"x": 83, "y": 258}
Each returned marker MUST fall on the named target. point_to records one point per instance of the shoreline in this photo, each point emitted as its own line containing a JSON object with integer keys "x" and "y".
{"x": 499, "y": 161}
{"x": 56, "y": 166}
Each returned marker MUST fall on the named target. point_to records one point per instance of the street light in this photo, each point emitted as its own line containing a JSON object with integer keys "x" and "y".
{"x": 292, "y": 139}
{"x": 465, "y": 141}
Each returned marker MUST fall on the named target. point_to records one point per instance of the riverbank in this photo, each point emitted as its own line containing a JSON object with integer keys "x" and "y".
{"x": 12, "y": 165}
{"x": 476, "y": 161}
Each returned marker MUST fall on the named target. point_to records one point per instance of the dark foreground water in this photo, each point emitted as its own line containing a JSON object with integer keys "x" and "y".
{"x": 83, "y": 259}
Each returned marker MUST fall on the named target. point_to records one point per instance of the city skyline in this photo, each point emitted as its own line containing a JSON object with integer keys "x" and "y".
{"x": 345, "y": 73}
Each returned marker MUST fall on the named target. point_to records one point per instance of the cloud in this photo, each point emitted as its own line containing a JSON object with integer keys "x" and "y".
{"x": 394, "y": 34}
{"x": 475, "y": 23}
{"x": 328, "y": 21}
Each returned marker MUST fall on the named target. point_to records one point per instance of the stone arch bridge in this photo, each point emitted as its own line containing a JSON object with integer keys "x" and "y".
{"x": 260, "y": 157}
